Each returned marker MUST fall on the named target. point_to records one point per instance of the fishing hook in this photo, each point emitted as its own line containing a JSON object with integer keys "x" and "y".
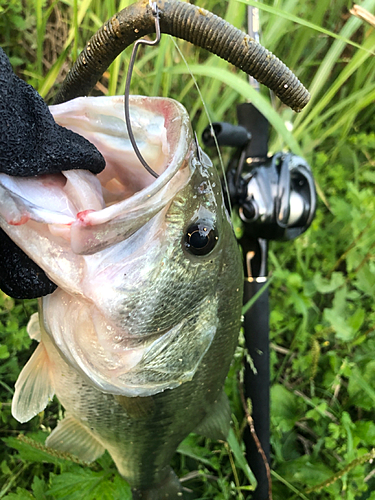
{"x": 155, "y": 13}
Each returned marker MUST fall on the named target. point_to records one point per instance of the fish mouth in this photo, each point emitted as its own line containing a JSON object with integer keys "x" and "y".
{"x": 80, "y": 228}
{"x": 95, "y": 212}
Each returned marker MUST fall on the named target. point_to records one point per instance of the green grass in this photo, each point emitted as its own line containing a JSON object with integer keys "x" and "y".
{"x": 323, "y": 287}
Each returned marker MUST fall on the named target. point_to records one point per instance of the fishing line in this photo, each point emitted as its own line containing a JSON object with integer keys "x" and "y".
{"x": 155, "y": 13}
{"x": 210, "y": 122}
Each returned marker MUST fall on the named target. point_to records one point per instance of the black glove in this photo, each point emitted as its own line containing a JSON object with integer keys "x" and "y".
{"x": 31, "y": 143}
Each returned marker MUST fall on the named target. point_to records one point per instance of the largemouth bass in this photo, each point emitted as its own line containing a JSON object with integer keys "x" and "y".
{"x": 138, "y": 338}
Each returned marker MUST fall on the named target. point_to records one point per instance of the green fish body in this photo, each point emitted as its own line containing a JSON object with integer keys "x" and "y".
{"x": 137, "y": 340}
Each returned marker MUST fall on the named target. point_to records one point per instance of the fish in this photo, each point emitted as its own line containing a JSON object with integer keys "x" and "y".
{"x": 137, "y": 340}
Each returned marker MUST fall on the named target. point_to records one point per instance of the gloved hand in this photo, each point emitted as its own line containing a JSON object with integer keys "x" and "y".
{"x": 31, "y": 143}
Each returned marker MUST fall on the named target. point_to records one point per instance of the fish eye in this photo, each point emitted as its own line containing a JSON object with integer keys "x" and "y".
{"x": 200, "y": 238}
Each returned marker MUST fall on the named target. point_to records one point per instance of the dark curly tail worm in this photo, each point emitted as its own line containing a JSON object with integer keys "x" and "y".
{"x": 191, "y": 23}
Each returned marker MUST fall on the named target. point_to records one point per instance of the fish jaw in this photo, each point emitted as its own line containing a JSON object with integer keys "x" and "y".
{"x": 76, "y": 213}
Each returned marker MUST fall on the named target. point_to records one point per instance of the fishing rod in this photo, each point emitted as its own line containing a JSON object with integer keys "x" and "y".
{"x": 275, "y": 198}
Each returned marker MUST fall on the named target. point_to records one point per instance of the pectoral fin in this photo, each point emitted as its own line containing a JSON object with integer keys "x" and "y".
{"x": 34, "y": 387}
{"x": 73, "y": 437}
{"x": 217, "y": 422}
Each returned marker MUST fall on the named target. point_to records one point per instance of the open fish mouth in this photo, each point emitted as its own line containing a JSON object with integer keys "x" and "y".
{"x": 92, "y": 212}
